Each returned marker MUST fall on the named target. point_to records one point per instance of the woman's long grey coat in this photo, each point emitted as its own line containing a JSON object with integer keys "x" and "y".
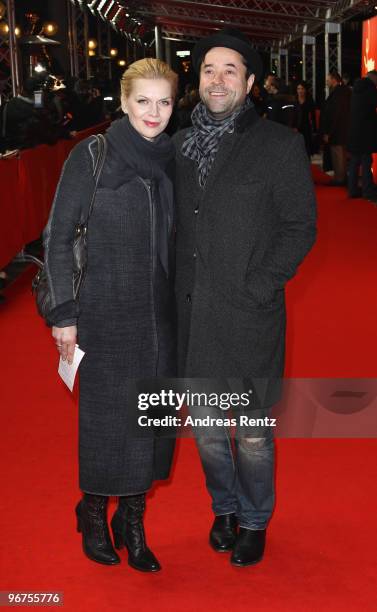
{"x": 125, "y": 322}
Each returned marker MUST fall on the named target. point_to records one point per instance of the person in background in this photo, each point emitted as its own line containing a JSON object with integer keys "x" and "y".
{"x": 258, "y": 100}
{"x": 185, "y": 106}
{"x": 280, "y": 104}
{"x": 304, "y": 117}
{"x": 362, "y": 137}
{"x": 20, "y": 118}
{"x": 334, "y": 122}
{"x": 23, "y": 124}
{"x": 57, "y": 100}
{"x": 87, "y": 106}
{"x": 346, "y": 79}
{"x": 269, "y": 81}
{"x": 58, "y": 105}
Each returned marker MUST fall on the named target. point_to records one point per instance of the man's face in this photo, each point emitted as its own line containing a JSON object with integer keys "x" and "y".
{"x": 331, "y": 82}
{"x": 223, "y": 84}
{"x": 269, "y": 82}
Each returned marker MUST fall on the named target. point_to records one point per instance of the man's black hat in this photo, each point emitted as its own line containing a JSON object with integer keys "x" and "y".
{"x": 232, "y": 39}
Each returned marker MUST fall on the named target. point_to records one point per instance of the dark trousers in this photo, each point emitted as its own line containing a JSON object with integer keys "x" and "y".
{"x": 365, "y": 161}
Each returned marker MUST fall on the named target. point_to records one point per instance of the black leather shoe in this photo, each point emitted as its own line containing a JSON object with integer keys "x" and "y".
{"x": 333, "y": 183}
{"x": 128, "y": 530}
{"x": 91, "y": 514}
{"x": 223, "y": 533}
{"x": 249, "y": 547}
{"x": 355, "y": 194}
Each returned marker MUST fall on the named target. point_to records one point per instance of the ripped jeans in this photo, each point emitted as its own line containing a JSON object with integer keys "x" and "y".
{"x": 239, "y": 473}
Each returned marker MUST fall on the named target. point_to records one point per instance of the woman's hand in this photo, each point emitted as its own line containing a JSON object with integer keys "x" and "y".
{"x": 65, "y": 341}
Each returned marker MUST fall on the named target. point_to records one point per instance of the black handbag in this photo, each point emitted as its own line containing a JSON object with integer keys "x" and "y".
{"x": 40, "y": 287}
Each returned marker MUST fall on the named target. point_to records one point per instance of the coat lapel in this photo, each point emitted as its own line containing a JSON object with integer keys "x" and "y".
{"x": 228, "y": 144}
{"x": 223, "y": 155}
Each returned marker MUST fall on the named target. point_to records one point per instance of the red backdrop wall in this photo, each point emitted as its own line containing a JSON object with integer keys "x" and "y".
{"x": 28, "y": 184}
{"x": 369, "y": 59}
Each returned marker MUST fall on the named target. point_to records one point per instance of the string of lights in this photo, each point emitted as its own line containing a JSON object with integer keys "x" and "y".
{"x": 121, "y": 19}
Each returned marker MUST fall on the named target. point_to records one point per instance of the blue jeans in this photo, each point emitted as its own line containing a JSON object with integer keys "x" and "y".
{"x": 365, "y": 161}
{"x": 240, "y": 473}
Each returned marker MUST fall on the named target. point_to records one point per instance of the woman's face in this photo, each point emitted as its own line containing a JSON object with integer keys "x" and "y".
{"x": 301, "y": 91}
{"x": 256, "y": 90}
{"x": 149, "y": 106}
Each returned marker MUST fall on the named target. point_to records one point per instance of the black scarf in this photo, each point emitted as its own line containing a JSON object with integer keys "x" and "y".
{"x": 133, "y": 155}
{"x": 202, "y": 141}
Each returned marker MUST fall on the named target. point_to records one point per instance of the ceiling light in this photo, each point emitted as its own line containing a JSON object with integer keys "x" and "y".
{"x": 50, "y": 28}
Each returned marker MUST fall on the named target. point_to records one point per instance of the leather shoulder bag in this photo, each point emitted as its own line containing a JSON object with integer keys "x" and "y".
{"x": 40, "y": 286}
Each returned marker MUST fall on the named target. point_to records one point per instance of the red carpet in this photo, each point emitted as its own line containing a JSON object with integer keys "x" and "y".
{"x": 321, "y": 551}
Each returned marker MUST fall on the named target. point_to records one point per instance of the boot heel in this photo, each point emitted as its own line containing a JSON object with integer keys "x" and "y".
{"x": 118, "y": 540}
{"x": 78, "y": 520}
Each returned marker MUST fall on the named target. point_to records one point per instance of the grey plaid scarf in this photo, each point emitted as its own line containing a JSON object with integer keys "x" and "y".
{"x": 202, "y": 140}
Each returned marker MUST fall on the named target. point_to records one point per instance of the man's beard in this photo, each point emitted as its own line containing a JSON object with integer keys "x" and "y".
{"x": 224, "y": 112}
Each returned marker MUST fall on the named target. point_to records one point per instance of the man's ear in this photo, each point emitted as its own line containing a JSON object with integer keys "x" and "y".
{"x": 250, "y": 82}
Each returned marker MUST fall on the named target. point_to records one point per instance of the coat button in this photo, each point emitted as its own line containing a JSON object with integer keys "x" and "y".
{"x": 188, "y": 298}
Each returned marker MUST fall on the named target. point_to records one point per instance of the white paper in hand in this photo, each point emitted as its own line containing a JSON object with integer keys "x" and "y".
{"x": 68, "y": 372}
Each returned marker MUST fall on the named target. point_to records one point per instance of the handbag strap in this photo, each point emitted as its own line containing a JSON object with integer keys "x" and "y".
{"x": 101, "y": 154}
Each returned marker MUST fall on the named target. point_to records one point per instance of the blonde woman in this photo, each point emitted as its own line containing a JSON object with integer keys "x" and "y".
{"x": 124, "y": 317}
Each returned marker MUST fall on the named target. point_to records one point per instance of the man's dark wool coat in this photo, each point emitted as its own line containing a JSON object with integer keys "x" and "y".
{"x": 362, "y": 137}
{"x": 239, "y": 240}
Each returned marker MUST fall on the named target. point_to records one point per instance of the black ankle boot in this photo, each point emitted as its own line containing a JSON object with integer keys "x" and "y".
{"x": 249, "y": 547}
{"x": 91, "y": 514}
{"x": 223, "y": 533}
{"x": 128, "y": 530}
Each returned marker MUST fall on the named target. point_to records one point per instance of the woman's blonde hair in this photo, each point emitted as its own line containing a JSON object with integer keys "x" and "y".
{"x": 148, "y": 68}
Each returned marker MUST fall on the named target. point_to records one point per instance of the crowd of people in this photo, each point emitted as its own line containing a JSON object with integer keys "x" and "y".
{"x": 349, "y": 131}
{"x": 346, "y": 131}
{"x": 50, "y": 108}
{"x": 291, "y": 105}
{"x": 343, "y": 129}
